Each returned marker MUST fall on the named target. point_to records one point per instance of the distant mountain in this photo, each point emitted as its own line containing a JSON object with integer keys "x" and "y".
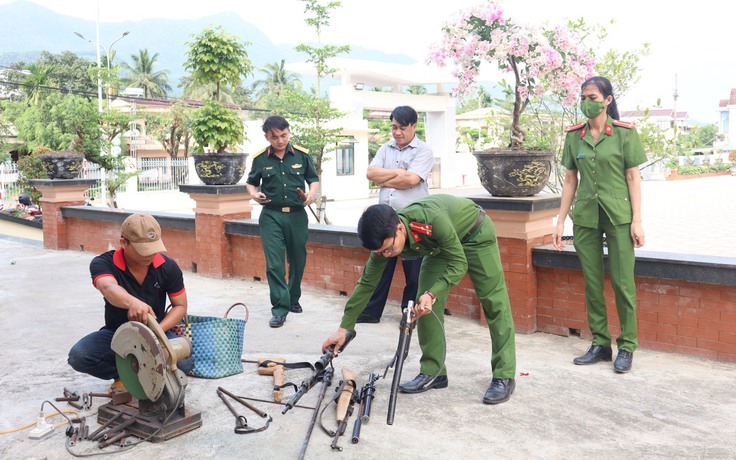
{"x": 26, "y": 29}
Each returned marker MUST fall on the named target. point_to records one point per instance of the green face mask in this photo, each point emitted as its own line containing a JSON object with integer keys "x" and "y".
{"x": 591, "y": 109}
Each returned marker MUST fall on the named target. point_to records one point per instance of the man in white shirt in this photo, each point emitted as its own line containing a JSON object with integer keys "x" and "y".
{"x": 401, "y": 168}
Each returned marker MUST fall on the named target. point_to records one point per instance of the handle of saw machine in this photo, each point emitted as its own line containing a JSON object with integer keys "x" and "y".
{"x": 161, "y": 336}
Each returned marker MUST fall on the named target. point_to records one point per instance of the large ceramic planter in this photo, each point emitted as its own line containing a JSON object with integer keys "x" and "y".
{"x": 220, "y": 168}
{"x": 514, "y": 173}
{"x": 62, "y": 165}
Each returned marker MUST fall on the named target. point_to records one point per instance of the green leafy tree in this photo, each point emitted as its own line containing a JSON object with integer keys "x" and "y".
{"x": 143, "y": 74}
{"x": 216, "y": 57}
{"x": 71, "y": 72}
{"x": 311, "y": 112}
{"x": 417, "y": 89}
{"x": 216, "y": 127}
{"x": 36, "y": 81}
{"x": 697, "y": 137}
{"x": 205, "y": 91}
{"x": 29, "y": 168}
{"x": 172, "y": 128}
{"x": 275, "y": 79}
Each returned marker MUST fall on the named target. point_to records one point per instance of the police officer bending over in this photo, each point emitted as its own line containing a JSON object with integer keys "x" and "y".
{"x": 455, "y": 237}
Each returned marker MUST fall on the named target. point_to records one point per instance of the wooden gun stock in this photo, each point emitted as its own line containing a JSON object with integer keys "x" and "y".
{"x": 274, "y": 368}
{"x": 343, "y": 400}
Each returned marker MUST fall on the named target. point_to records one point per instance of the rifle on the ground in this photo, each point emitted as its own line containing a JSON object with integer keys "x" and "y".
{"x": 365, "y": 396}
{"x": 319, "y": 370}
{"x": 402, "y": 351}
{"x": 346, "y": 397}
{"x": 326, "y": 381}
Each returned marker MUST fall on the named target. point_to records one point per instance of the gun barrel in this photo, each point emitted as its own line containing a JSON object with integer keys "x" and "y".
{"x": 356, "y": 430}
{"x": 402, "y": 352}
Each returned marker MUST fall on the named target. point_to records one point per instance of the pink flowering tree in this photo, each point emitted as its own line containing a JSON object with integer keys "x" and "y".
{"x": 542, "y": 60}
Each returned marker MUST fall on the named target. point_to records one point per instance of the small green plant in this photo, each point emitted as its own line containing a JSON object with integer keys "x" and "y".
{"x": 216, "y": 128}
{"x": 29, "y": 168}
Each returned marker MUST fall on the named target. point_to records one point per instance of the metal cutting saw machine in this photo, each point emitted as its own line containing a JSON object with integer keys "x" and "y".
{"x": 146, "y": 362}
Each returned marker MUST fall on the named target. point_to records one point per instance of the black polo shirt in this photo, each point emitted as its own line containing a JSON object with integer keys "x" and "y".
{"x": 164, "y": 277}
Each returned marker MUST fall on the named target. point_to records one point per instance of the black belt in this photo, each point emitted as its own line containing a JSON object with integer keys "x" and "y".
{"x": 284, "y": 208}
{"x": 475, "y": 227}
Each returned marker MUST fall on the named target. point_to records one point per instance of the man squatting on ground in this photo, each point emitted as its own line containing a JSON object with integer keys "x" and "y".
{"x": 135, "y": 281}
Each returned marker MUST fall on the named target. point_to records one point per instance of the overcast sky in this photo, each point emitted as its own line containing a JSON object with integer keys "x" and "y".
{"x": 695, "y": 43}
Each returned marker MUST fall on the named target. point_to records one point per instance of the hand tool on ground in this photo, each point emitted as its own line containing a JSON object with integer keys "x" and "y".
{"x": 241, "y": 423}
{"x": 146, "y": 362}
{"x": 272, "y": 366}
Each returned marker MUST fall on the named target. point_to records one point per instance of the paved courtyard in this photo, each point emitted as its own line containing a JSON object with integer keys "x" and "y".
{"x": 669, "y": 406}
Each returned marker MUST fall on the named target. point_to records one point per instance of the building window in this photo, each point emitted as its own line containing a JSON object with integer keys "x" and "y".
{"x": 724, "y": 122}
{"x": 345, "y": 156}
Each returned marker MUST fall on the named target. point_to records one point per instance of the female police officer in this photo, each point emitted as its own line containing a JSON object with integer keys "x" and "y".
{"x": 605, "y": 154}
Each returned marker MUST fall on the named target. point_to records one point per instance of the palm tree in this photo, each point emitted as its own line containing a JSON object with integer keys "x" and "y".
{"x": 37, "y": 78}
{"x": 276, "y": 79}
{"x": 142, "y": 75}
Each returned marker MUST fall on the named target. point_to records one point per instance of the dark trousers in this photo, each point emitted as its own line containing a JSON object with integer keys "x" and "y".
{"x": 92, "y": 355}
{"x": 380, "y": 295}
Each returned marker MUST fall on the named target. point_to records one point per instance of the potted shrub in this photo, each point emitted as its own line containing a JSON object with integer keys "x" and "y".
{"x": 217, "y": 129}
{"x": 217, "y": 58}
{"x": 63, "y": 164}
{"x": 541, "y": 61}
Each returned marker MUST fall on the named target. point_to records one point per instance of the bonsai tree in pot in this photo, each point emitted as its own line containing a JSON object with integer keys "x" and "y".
{"x": 541, "y": 61}
{"x": 217, "y": 58}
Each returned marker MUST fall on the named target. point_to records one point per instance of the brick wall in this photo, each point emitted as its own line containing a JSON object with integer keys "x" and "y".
{"x": 673, "y": 315}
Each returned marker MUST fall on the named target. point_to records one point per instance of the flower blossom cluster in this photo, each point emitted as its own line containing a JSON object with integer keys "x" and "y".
{"x": 541, "y": 60}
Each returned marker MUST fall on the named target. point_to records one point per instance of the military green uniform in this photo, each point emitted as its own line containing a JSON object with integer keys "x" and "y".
{"x": 439, "y": 229}
{"x": 283, "y": 221}
{"x": 602, "y": 206}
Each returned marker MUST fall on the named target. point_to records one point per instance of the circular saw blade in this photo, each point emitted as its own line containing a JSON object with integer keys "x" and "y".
{"x": 140, "y": 360}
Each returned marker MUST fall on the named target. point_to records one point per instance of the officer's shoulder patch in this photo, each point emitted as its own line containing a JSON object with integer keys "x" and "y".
{"x": 300, "y": 148}
{"x": 574, "y": 127}
{"x": 421, "y": 228}
{"x": 260, "y": 152}
{"x": 623, "y": 124}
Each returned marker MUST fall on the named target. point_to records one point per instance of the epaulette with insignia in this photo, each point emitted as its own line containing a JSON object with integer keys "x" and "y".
{"x": 420, "y": 228}
{"x": 260, "y": 152}
{"x": 623, "y": 124}
{"x": 300, "y": 148}
{"x": 574, "y": 127}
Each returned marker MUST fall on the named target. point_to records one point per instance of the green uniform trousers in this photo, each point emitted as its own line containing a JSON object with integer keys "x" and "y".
{"x": 486, "y": 274}
{"x": 284, "y": 236}
{"x": 589, "y": 246}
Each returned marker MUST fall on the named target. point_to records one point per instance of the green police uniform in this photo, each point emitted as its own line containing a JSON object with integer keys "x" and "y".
{"x": 439, "y": 229}
{"x": 602, "y": 206}
{"x": 283, "y": 221}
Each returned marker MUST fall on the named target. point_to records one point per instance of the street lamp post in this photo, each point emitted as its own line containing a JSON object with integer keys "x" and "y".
{"x": 108, "y": 51}
{"x": 98, "y": 45}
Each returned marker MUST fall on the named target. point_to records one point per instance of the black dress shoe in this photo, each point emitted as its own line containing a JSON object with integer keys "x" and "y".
{"x": 499, "y": 391}
{"x": 623, "y": 361}
{"x": 366, "y": 318}
{"x": 296, "y": 308}
{"x": 277, "y": 321}
{"x": 424, "y": 382}
{"x": 594, "y": 354}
